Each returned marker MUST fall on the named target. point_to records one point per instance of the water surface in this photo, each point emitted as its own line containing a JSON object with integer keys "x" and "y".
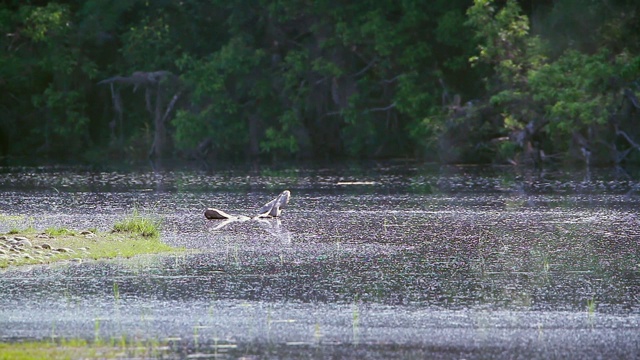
{"x": 378, "y": 261}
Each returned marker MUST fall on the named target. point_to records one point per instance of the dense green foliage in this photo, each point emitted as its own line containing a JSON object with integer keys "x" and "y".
{"x": 452, "y": 81}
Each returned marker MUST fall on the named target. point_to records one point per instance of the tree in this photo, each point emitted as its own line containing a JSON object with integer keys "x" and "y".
{"x": 558, "y": 107}
{"x": 156, "y": 83}
{"x": 322, "y": 79}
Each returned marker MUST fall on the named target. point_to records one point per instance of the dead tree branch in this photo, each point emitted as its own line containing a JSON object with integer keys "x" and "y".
{"x": 171, "y": 105}
{"x": 153, "y": 82}
{"x": 386, "y": 108}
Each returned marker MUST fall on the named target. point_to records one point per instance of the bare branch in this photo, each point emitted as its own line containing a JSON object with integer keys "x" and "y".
{"x": 369, "y": 65}
{"x": 332, "y": 113}
{"x": 386, "y": 108}
{"x": 140, "y": 78}
{"x": 621, "y": 155}
{"x": 393, "y": 79}
{"x": 632, "y": 97}
{"x": 628, "y": 138}
{"x": 117, "y": 101}
{"x": 118, "y": 79}
{"x": 172, "y": 103}
{"x": 147, "y": 98}
{"x": 321, "y": 80}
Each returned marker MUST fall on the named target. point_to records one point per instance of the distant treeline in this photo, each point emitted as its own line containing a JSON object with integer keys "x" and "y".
{"x": 455, "y": 81}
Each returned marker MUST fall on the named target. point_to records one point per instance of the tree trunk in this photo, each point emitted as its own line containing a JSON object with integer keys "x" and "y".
{"x": 158, "y": 148}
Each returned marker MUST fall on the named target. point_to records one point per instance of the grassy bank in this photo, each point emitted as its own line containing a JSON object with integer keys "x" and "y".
{"x": 80, "y": 349}
{"x": 132, "y": 236}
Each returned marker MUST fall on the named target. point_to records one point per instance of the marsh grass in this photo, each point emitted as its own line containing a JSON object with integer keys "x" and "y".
{"x": 59, "y": 231}
{"x": 355, "y": 323}
{"x": 81, "y": 349}
{"x": 45, "y": 350}
{"x": 591, "y": 306}
{"x": 116, "y": 292}
{"x": 139, "y": 224}
{"x": 132, "y": 236}
{"x": 16, "y": 230}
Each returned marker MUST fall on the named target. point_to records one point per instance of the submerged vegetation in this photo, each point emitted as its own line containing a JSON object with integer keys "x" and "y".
{"x": 134, "y": 235}
{"x": 473, "y": 81}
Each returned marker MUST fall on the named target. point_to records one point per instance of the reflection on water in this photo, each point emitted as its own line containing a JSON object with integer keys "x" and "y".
{"x": 368, "y": 178}
{"x": 384, "y": 253}
{"x": 273, "y": 227}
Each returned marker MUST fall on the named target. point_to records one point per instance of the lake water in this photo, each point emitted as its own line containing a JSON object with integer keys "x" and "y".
{"x": 377, "y": 261}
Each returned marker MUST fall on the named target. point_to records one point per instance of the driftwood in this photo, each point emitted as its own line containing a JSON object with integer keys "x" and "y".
{"x": 272, "y": 209}
{"x": 215, "y": 214}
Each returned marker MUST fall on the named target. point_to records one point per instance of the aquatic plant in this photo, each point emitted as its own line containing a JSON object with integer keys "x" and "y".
{"x": 355, "y": 324}
{"x": 116, "y": 292}
{"x": 96, "y": 332}
{"x": 591, "y": 306}
{"x": 136, "y": 223}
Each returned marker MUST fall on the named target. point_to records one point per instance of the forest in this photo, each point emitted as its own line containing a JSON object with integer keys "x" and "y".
{"x": 449, "y": 81}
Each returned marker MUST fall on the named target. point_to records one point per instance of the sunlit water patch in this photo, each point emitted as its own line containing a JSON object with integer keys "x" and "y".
{"x": 446, "y": 263}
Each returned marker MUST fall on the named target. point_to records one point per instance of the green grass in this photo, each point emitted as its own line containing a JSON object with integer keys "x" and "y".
{"x": 44, "y": 350}
{"x": 591, "y": 306}
{"x": 132, "y": 236}
{"x": 80, "y": 349}
{"x": 59, "y": 232}
{"x": 138, "y": 224}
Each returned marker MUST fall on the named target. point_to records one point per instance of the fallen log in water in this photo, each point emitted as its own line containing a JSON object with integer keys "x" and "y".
{"x": 269, "y": 210}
